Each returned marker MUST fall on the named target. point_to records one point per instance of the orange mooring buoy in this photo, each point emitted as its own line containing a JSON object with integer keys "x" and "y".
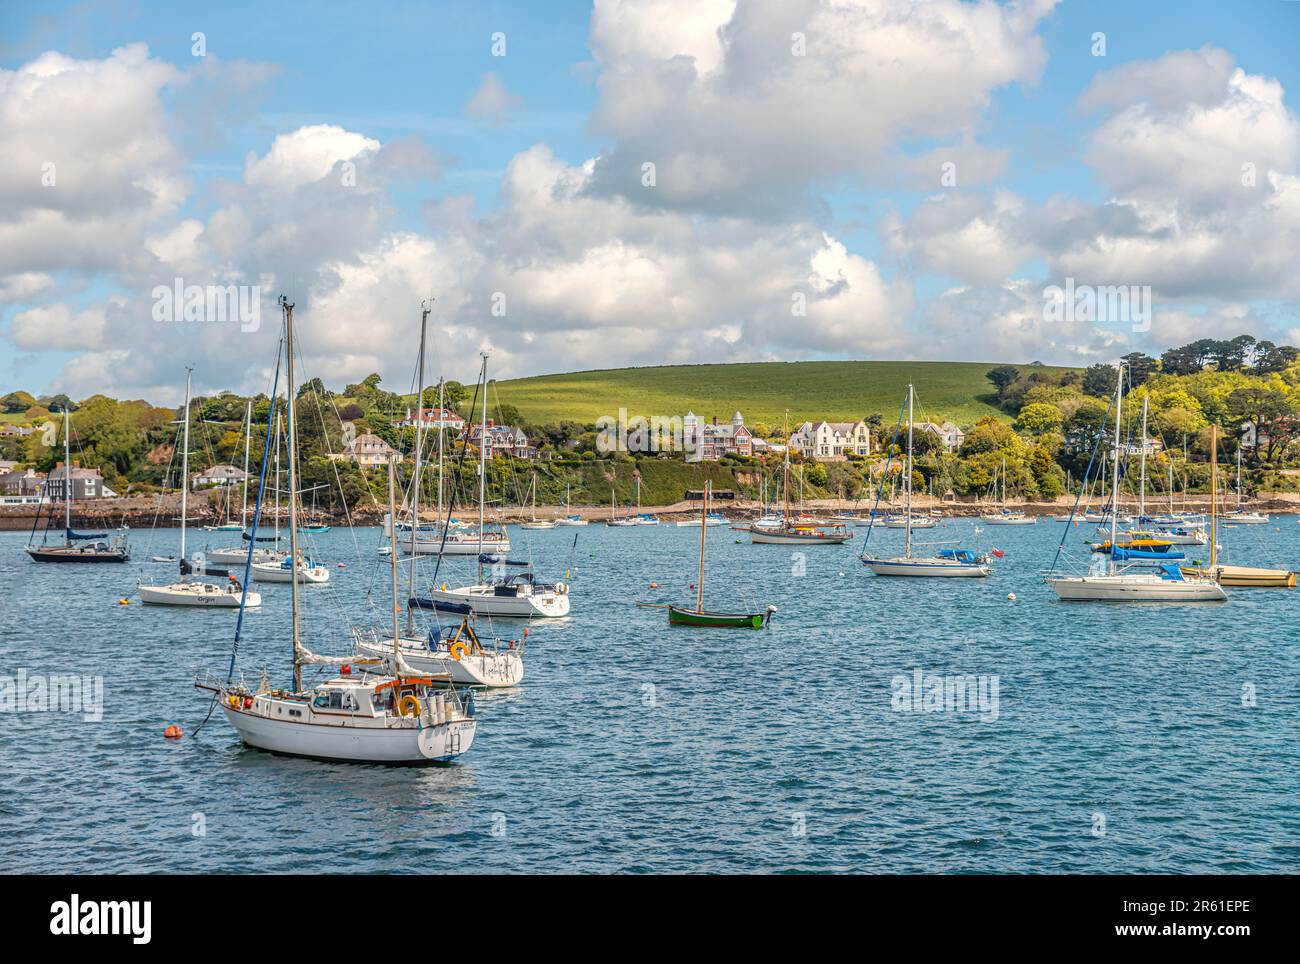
{"x": 173, "y": 732}
{"x": 654, "y": 585}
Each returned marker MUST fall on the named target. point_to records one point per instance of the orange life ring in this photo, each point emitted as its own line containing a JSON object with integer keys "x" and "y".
{"x": 458, "y": 650}
{"x": 408, "y": 705}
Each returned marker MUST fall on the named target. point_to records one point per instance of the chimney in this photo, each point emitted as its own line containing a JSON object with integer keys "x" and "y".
{"x": 715, "y": 420}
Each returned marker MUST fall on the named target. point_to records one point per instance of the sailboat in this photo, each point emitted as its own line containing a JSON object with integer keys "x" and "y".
{"x": 792, "y": 532}
{"x": 509, "y": 595}
{"x": 1007, "y": 517}
{"x": 534, "y": 522}
{"x": 1239, "y": 516}
{"x": 1106, "y": 582}
{"x": 386, "y": 713}
{"x": 570, "y": 518}
{"x": 195, "y": 592}
{"x": 77, "y": 546}
{"x": 616, "y": 520}
{"x": 953, "y": 563}
{"x": 643, "y": 518}
{"x": 227, "y": 525}
{"x": 698, "y": 616}
{"x": 234, "y": 555}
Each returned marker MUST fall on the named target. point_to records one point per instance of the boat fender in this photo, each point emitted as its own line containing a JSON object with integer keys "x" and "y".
{"x": 458, "y": 650}
{"x": 561, "y": 588}
{"x": 408, "y": 705}
{"x": 234, "y": 701}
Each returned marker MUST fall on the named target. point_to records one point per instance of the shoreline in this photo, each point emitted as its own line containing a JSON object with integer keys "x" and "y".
{"x": 146, "y": 512}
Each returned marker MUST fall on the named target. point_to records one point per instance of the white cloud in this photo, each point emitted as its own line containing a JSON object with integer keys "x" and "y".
{"x": 56, "y": 327}
{"x": 305, "y": 156}
{"x": 734, "y": 117}
{"x": 19, "y": 287}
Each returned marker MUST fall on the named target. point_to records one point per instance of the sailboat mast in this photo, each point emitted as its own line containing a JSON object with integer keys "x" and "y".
{"x": 440, "y": 420}
{"x": 1142, "y": 482}
{"x": 907, "y": 550}
{"x": 482, "y": 469}
{"x": 248, "y": 439}
{"x": 293, "y": 488}
{"x": 787, "y": 468}
{"x": 185, "y": 467}
{"x": 1114, "y": 488}
{"x": 392, "y": 508}
{"x": 67, "y": 481}
{"x": 704, "y": 515}
{"x": 419, "y": 447}
{"x": 1214, "y": 493}
{"x": 1238, "y": 475}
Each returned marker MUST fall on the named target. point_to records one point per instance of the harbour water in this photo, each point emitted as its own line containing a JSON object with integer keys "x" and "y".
{"x": 1124, "y": 739}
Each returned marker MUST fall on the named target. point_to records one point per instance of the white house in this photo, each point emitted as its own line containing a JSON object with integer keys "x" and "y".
{"x": 217, "y": 475}
{"x": 368, "y": 451}
{"x": 949, "y": 434}
{"x": 433, "y": 418}
{"x": 831, "y": 440}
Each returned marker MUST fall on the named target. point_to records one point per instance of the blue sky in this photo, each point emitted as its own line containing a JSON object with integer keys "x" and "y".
{"x": 578, "y": 87}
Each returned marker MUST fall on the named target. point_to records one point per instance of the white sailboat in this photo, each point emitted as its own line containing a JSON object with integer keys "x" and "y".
{"x": 534, "y": 522}
{"x": 1240, "y": 516}
{"x": 236, "y": 555}
{"x": 570, "y": 518}
{"x": 1106, "y": 582}
{"x": 517, "y": 594}
{"x": 1007, "y": 517}
{"x": 386, "y": 713}
{"x": 194, "y": 592}
{"x": 953, "y": 563}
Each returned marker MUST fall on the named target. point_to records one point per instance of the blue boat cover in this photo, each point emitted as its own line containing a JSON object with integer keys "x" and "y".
{"x": 1121, "y": 554}
{"x": 490, "y": 559}
{"x": 961, "y": 555}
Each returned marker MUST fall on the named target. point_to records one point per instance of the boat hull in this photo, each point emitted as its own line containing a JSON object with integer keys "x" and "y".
{"x": 277, "y": 573}
{"x": 237, "y": 557}
{"x": 483, "y": 601}
{"x": 491, "y": 669}
{"x": 1248, "y": 577}
{"x": 399, "y": 746}
{"x": 75, "y": 554}
{"x": 1127, "y": 588}
{"x": 927, "y": 568}
{"x": 784, "y": 537}
{"x": 198, "y": 595}
{"x": 689, "y": 617}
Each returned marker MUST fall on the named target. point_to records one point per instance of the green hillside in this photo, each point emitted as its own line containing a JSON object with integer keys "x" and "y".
{"x": 837, "y": 390}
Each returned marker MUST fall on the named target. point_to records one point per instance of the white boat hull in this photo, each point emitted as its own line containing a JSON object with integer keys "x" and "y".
{"x": 1135, "y": 588}
{"x": 274, "y": 572}
{"x": 237, "y": 557}
{"x": 570, "y": 522}
{"x": 348, "y": 742}
{"x": 426, "y": 545}
{"x": 492, "y": 669}
{"x": 927, "y": 568}
{"x": 997, "y": 520}
{"x": 199, "y": 594}
{"x": 483, "y": 601}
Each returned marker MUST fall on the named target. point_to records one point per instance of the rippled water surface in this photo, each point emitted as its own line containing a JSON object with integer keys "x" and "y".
{"x": 1121, "y": 742}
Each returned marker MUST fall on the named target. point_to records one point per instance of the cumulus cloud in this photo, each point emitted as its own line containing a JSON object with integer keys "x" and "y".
{"x": 742, "y": 106}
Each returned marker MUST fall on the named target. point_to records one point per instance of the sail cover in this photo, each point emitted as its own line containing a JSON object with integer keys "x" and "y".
{"x": 87, "y": 535}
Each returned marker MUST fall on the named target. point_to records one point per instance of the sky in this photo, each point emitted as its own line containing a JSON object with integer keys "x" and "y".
{"x": 635, "y": 182}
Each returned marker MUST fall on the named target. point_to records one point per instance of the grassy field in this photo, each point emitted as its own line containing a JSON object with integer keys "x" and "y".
{"x": 834, "y": 390}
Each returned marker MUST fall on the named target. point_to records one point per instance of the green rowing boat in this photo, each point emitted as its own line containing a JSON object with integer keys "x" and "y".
{"x": 690, "y": 617}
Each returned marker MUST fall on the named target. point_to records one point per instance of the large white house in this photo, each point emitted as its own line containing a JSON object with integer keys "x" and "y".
{"x": 433, "y": 418}
{"x": 831, "y": 440}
